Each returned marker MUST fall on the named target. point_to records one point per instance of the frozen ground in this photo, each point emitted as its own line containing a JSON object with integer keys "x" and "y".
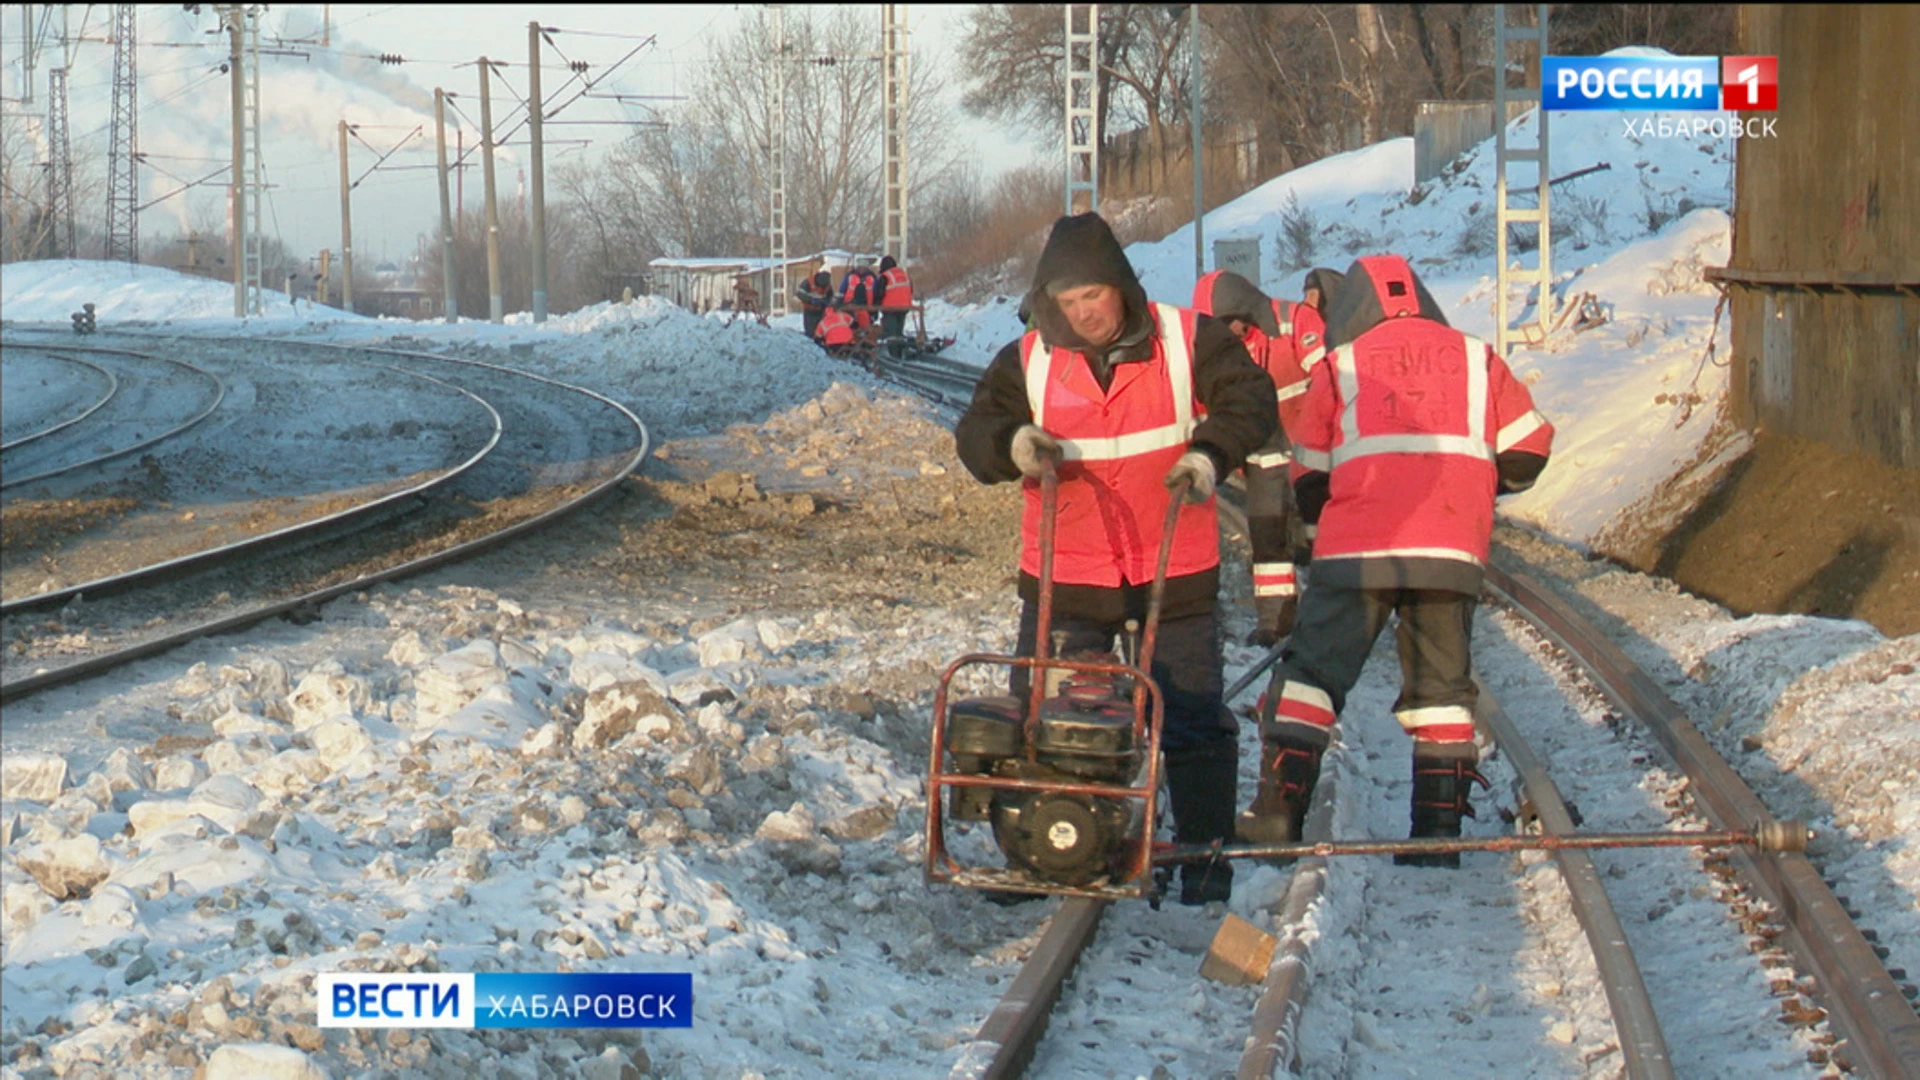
{"x": 687, "y": 733}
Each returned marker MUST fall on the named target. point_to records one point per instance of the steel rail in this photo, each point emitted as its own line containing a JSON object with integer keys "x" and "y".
{"x": 20, "y": 688}
{"x": 1006, "y": 1042}
{"x": 1881, "y": 1030}
{"x": 220, "y": 394}
{"x": 171, "y": 568}
{"x": 113, "y": 387}
{"x": 1636, "y": 1026}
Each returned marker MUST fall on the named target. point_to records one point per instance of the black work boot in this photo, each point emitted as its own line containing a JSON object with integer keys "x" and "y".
{"x": 1201, "y": 782}
{"x": 1443, "y": 778}
{"x": 1290, "y": 756}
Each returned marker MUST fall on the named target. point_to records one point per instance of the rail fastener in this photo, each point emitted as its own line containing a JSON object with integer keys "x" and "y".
{"x": 1775, "y": 835}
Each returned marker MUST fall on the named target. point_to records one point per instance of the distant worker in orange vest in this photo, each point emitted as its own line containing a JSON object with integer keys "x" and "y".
{"x": 895, "y": 297}
{"x": 857, "y": 290}
{"x": 835, "y": 331}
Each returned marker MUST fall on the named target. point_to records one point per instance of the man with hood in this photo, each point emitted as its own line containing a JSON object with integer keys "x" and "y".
{"x": 894, "y": 296}
{"x": 1283, "y": 338}
{"x": 1133, "y": 399}
{"x": 1408, "y": 431}
{"x": 814, "y": 294}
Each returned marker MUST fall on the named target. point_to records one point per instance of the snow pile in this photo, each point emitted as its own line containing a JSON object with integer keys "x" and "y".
{"x": 51, "y": 291}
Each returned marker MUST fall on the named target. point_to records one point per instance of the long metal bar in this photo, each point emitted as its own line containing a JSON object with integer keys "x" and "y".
{"x": 1864, "y": 279}
{"x": 1434, "y": 845}
{"x": 1643, "y": 1045}
{"x": 536, "y": 116}
{"x": 1005, "y": 1044}
{"x": 1862, "y": 1000}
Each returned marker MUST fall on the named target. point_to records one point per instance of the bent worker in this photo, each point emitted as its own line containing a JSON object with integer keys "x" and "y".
{"x": 1266, "y": 327}
{"x": 894, "y": 297}
{"x": 1408, "y": 432}
{"x": 1134, "y": 400}
{"x": 814, "y": 294}
{"x": 835, "y": 330}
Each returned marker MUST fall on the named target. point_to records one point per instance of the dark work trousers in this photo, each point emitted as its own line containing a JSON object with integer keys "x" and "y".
{"x": 1186, "y": 664}
{"x": 893, "y": 324}
{"x": 810, "y": 318}
{"x": 1336, "y": 629}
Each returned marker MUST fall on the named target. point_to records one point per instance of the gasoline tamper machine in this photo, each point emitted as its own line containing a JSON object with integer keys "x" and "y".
{"x": 1068, "y": 777}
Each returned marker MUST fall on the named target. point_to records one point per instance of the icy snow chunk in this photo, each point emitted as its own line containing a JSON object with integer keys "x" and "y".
{"x": 737, "y": 640}
{"x": 68, "y": 867}
{"x": 410, "y": 650}
{"x": 794, "y": 825}
{"x": 225, "y": 800}
{"x": 262, "y": 1061}
{"x": 38, "y": 777}
{"x": 613, "y": 711}
{"x": 291, "y": 771}
{"x": 592, "y": 670}
{"x": 22, "y": 901}
{"x": 237, "y": 754}
{"x": 124, "y": 771}
{"x": 453, "y": 679}
{"x": 698, "y": 686}
{"x": 338, "y": 739}
{"x": 111, "y": 905}
{"x": 234, "y": 722}
{"x": 325, "y": 692}
{"x": 777, "y": 634}
{"x": 179, "y": 771}
{"x": 109, "y": 1043}
{"x": 495, "y": 717}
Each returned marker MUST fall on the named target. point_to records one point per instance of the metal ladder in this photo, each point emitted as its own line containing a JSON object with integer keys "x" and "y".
{"x": 1505, "y": 213}
{"x": 1083, "y": 105}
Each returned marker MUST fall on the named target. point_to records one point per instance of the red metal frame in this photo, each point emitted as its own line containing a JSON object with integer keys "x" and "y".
{"x": 1148, "y": 721}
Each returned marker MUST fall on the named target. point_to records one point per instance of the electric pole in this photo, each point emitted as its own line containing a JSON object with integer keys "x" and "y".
{"x": 539, "y": 216}
{"x": 893, "y": 128}
{"x": 1083, "y": 105}
{"x": 1193, "y": 78}
{"x": 777, "y": 168}
{"x": 123, "y": 166}
{"x": 346, "y": 227}
{"x": 236, "y": 186}
{"x": 446, "y": 208}
{"x": 60, "y": 172}
{"x": 496, "y": 304}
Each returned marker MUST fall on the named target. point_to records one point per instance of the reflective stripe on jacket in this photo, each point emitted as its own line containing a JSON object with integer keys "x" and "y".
{"x": 1117, "y": 447}
{"x": 836, "y": 328}
{"x": 897, "y": 289}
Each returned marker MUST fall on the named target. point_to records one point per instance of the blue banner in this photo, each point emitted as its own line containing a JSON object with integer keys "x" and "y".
{"x": 582, "y": 999}
{"x": 1630, "y": 83}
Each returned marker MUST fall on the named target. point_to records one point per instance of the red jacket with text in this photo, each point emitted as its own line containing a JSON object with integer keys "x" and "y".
{"x": 1408, "y": 431}
{"x": 896, "y": 288}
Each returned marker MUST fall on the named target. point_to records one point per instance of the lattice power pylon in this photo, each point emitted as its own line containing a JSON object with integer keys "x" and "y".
{"x": 777, "y": 165}
{"x": 1505, "y": 213}
{"x": 253, "y": 174}
{"x": 893, "y": 128}
{"x": 60, "y": 166}
{"x": 1083, "y": 106}
{"x": 123, "y": 168}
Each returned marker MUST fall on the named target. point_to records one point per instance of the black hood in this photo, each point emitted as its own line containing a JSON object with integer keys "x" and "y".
{"x": 1327, "y": 281}
{"x": 887, "y": 263}
{"x": 1082, "y": 250}
{"x": 1377, "y": 288}
{"x": 1232, "y": 296}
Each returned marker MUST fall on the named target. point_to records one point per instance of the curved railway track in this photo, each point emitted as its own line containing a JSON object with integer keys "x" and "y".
{"x": 126, "y": 415}
{"x": 1877, "y": 1029}
{"x": 558, "y": 448}
{"x": 113, "y": 387}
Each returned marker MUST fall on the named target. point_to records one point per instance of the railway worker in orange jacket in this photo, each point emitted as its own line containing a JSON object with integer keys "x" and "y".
{"x": 835, "y": 330}
{"x": 1284, "y": 339}
{"x": 1408, "y": 432}
{"x": 894, "y": 295}
{"x": 857, "y": 290}
{"x": 1133, "y": 399}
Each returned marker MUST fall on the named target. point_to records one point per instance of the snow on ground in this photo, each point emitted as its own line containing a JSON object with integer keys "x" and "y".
{"x": 498, "y": 767}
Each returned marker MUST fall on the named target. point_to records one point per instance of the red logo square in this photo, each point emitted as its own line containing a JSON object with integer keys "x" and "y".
{"x": 1750, "y": 83}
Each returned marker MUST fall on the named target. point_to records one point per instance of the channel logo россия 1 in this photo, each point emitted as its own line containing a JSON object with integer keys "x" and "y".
{"x": 1660, "y": 84}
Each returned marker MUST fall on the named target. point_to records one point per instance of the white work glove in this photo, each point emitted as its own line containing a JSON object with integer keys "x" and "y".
{"x": 1030, "y": 444}
{"x": 1196, "y": 466}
